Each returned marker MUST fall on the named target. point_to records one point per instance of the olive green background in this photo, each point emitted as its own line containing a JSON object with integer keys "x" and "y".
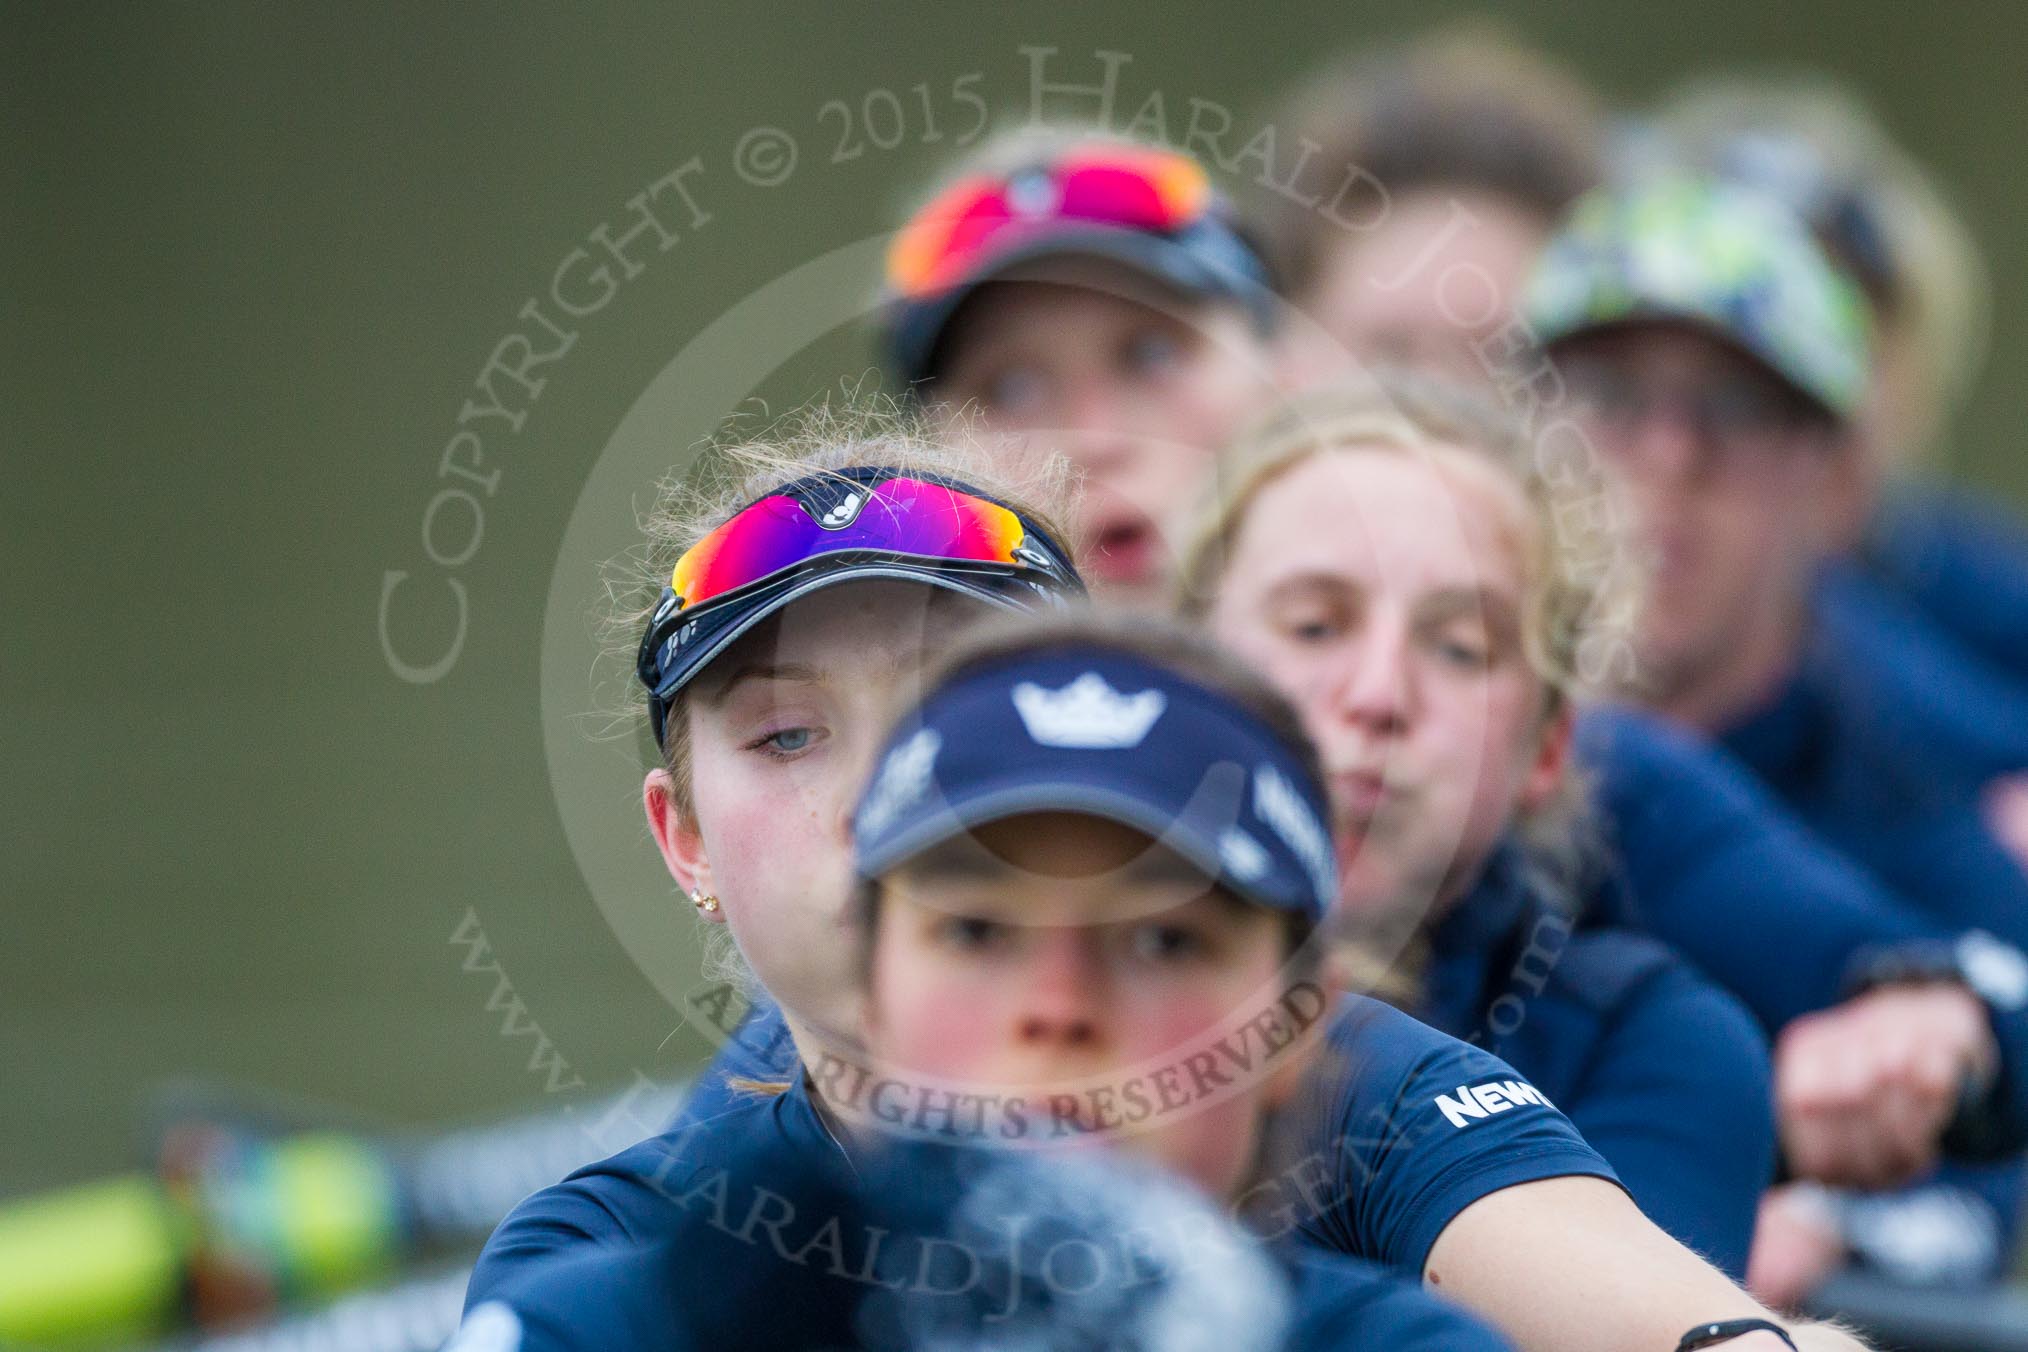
{"x": 254, "y": 258}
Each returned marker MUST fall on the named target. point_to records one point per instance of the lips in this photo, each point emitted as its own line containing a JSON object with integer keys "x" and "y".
{"x": 1362, "y": 794}
{"x": 1123, "y": 549}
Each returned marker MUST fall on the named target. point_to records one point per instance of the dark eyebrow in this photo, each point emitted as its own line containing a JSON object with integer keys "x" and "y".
{"x": 759, "y": 671}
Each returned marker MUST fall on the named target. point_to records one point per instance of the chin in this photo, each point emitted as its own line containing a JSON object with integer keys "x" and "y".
{"x": 1396, "y": 897}
{"x": 1373, "y": 908}
{"x": 1663, "y": 666}
{"x": 1365, "y": 893}
{"x": 1139, "y": 595}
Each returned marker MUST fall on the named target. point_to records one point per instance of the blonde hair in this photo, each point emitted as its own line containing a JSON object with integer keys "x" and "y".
{"x": 1578, "y": 595}
{"x": 745, "y": 464}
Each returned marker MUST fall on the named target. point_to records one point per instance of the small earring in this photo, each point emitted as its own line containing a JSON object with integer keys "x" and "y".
{"x": 705, "y": 903}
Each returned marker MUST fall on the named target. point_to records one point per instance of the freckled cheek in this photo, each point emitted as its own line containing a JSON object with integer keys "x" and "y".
{"x": 772, "y": 863}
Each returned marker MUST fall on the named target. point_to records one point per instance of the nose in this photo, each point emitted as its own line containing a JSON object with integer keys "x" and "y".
{"x": 1665, "y": 448}
{"x": 1374, "y": 689}
{"x": 836, "y": 802}
{"x": 1058, "y": 1009}
{"x": 1096, "y": 435}
{"x": 841, "y": 819}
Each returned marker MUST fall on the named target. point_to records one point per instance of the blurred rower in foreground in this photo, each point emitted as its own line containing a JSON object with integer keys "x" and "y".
{"x": 803, "y": 589}
{"x": 1068, "y": 899}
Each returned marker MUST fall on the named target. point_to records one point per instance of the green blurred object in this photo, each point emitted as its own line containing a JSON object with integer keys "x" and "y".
{"x": 91, "y": 1265}
{"x": 237, "y": 1227}
{"x": 277, "y": 1221}
{"x": 1715, "y": 255}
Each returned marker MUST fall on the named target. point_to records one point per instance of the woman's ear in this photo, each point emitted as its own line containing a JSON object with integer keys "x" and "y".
{"x": 677, "y": 837}
{"x": 1552, "y": 758}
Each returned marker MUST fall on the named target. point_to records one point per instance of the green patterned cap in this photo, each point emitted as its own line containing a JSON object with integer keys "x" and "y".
{"x": 1712, "y": 254}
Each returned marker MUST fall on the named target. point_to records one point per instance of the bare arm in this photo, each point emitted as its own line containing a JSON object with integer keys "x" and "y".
{"x": 1571, "y": 1265}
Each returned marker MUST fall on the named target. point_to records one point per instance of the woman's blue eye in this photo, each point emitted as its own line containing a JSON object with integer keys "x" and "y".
{"x": 788, "y": 739}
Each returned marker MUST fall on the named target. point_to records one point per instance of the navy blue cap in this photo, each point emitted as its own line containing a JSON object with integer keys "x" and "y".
{"x": 1090, "y": 729}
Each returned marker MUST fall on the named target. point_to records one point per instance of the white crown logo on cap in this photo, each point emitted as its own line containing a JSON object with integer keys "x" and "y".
{"x": 1246, "y": 858}
{"x": 1276, "y": 802}
{"x": 904, "y": 778}
{"x": 1087, "y": 714}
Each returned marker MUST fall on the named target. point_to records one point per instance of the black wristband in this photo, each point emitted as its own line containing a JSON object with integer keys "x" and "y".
{"x": 1704, "y": 1335}
{"x": 1993, "y": 970}
{"x": 1996, "y": 973}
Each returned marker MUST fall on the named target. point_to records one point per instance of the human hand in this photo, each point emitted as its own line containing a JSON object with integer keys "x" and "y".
{"x": 1864, "y": 1091}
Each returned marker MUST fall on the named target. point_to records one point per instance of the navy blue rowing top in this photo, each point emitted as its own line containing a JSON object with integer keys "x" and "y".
{"x": 698, "y": 1291}
{"x": 1420, "y": 1127}
{"x": 757, "y": 1228}
{"x": 1963, "y": 566}
{"x": 1665, "y": 1074}
{"x": 1705, "y": 858}
{"x": 1882, "y": 742}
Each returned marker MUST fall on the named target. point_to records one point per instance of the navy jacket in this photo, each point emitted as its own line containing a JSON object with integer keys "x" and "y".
{"x": 1961, "y": 565}
{"x": 1384, "y": 1156}
{"x": 1882, "y": 743}
{"x": 1879, "y": 746}
{"x": 703, "y": 1291}
{"x": 1703, "y": 856}
{"x": 758, "y": 1229}
{"x": 1665, "y": 1074}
